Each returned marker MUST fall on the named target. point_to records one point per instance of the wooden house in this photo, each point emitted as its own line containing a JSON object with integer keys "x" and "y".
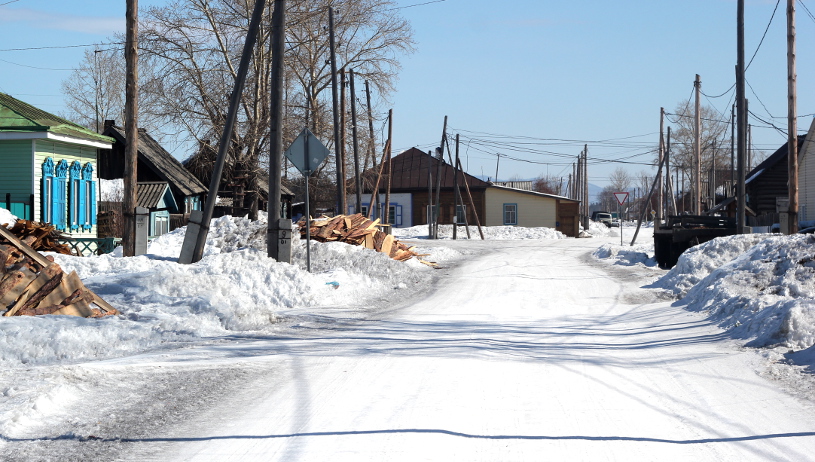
{"x": 806, "y": 177}
{"x": 767, "y": 183}
{"x": 415, "y": 171}
{"x": 531, "y": 209}
{"x": 49, "y": 168}
{"x": 154, "y": 164}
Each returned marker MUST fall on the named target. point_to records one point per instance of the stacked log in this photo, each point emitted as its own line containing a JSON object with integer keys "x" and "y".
{"x": 32, "y": 284}
{"x": 359, "y": 230}
{"x": 39, "y": 236}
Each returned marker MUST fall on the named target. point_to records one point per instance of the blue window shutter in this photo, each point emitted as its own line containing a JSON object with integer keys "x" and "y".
{"x": 60, "y": 203}
{"x": 75, "y": 195}
{"x": 398, "y": 215}
{"x": 47, "y": 186}
{"x": 92, "y": 185}
{"x": 81, "y": 204}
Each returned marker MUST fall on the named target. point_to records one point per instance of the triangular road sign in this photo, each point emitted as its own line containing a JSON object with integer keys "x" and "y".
{"x": 621, "y": 197}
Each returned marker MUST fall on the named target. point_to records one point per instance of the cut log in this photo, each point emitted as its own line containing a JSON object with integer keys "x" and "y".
{"x": 14, "y": 284}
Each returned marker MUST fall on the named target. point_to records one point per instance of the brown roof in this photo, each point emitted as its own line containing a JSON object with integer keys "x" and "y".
{"x": 162, "y": 162}
{"x": 410, "y": 173}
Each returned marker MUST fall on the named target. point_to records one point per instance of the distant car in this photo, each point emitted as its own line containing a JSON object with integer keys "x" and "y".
{"x": 604, "y": 218}
{"x": 808, "y": 230}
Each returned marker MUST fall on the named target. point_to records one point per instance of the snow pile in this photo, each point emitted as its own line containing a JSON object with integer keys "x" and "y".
{"x": 235, "y": 287}
{"x": 757, "y": 287}
{"x": 699, "y": 261}
{"x": 490, "y": 232}
{"x": 7, "y": 218}
{"x": 639, "y": 254}
{"x": 599, "y": 229}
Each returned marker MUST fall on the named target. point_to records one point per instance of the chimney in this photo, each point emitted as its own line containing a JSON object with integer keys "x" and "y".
{"x": 109, "y": 123}
{"x": 142, "y": 130}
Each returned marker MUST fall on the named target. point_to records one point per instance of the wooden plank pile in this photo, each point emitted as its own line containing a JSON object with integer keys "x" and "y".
{"x": 32, "y": 284}
{"x": 358, "y": 230}
{"x": 39, "y": 236}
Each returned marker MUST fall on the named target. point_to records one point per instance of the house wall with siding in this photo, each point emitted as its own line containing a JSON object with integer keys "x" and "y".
{"x": 533, "y": 211}
{"x": 806, "y": 177}
{"x": 15, "y": 170}
{"x": 58, "y": 151}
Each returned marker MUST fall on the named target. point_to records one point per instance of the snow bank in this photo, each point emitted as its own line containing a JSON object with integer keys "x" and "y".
{"x": 758, "y": 287}
{"x": 235, "y": 287}
{"x": 490, "y": 232}
{"x": 699, "y": 261}
{"x": 639, "y": 254}
{"x": 6, "y": 218}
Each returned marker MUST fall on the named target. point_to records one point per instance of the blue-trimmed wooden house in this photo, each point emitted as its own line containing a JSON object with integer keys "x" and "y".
{"x": 48, "y": 168}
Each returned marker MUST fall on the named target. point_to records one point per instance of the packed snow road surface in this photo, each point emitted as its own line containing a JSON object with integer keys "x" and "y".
{"x": 522, "y": 353}
{"x": 527, "y": 350}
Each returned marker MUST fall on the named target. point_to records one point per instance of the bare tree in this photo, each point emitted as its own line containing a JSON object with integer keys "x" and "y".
{"x": 620, "y": 180}
{"x": 192, "y": 48}
{"x": 715, "y": 141}
{"x": 548, "y": 184}
{"x": 95, "y": 90}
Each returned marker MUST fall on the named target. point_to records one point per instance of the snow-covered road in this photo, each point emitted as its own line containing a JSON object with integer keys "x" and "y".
{"x": 527, "y": 350}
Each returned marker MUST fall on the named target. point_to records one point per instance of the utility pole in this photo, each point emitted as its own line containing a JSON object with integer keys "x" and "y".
{"x": 274, "y": 231}
{"x": 131, "y": 127}
{"x": 200, "y": 237}
{"x": 457, "y": 193}
{"x": 732, "y": 150}
{"x": 741, "y": 210}
{"x": 340, "y": 204}
{"x": 697, "y": 149}
{"x": 586, "y": 186}
{"x": 792, "y": 114}
{"x": 357, "y": 179}
{"x": 387, "y": 211}
{"x": 439, "y": 162}
{"x": 375, "y": 196}
{"x": 343, "y": 144}
{"x": 660, "y": 197}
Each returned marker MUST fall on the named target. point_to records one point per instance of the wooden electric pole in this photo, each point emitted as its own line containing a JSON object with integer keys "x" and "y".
{"x": 340, "y": 205}
{"x": 386, "y": 212}
{"x": 792, "y": 115}
{"x": 660, "y": 197}
{"x": 131, "y": 127}
{"x": 697, "y": 149}
{"x": 741, "y": 120}
{"x": 273, "y": 230}
{"x": 357, "y": 179}
{"x": 342, "y": 149}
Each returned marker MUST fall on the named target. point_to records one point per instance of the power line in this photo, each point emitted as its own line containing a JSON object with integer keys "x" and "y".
{"x": 809, "y": 13}
{"x": 39, "y": 68}
{"x": 411, "y": 6}
{"x": 765, "y": 34}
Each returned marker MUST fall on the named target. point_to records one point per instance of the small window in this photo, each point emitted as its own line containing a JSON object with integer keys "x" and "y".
{"x": 364, "y": 210}
{"x": 461, "y": 212}
{"x": 510, "y": 214}
{"x": 162, "y": 225}
{"x": 430, "y": 213}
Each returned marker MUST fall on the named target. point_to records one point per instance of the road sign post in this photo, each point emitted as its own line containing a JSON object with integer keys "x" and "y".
{"x": 306, "y": 153}
{"x": 621, "y": 198}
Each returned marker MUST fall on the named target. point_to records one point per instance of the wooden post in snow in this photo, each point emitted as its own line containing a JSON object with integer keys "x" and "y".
{"x": 131, "y": 127}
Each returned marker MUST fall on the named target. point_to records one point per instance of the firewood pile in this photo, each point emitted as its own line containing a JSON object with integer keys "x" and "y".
{"x": 358, "y": 230}
{"x": 39, "y": 236}
{"x": 32, "y": 284}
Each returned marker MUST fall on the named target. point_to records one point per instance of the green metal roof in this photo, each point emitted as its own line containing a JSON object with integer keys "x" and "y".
{"x": 18, "y": 116}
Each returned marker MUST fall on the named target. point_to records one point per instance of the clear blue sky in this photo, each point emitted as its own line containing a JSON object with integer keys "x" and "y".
{"x": 576, "y": 70}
